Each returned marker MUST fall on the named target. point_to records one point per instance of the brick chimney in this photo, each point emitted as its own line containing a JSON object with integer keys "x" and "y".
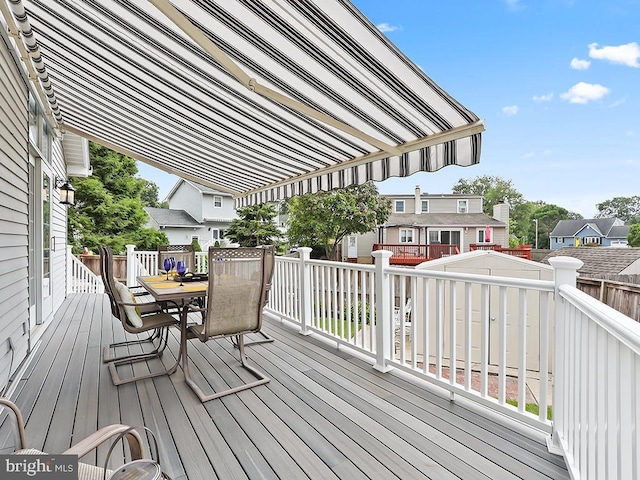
{"x": 501, "y": 213}
{"x": 417, "y": 203}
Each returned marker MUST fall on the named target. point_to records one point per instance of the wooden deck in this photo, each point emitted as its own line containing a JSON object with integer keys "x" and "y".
{"x": 325, "y": 414}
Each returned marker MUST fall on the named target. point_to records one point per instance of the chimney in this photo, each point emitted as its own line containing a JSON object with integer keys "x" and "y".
{"x": 417, "y": 203}
{"x": 501, "y": 213}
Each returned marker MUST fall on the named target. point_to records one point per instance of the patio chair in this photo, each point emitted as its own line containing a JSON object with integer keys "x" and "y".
{"x": 82, "y": 448}
{"x": 135, "y": 318}
{"x": 235, "y": 298}
{"x": 402, "y": 323}
{"x": 269, "y": 267}
{"x": 185, "y": 253}
{"x": 143, "y": 308}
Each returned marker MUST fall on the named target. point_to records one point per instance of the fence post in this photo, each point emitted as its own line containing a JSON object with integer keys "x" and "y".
{"x": 305, "y": 288}
{"x": 69, "y": 284}
{"x": 383, "y": 328}
{"x": 131, "y": 266}
{"x": 565, "y": 273}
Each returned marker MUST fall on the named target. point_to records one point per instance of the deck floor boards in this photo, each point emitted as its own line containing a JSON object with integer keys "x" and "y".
{"x": 325, "y": 413}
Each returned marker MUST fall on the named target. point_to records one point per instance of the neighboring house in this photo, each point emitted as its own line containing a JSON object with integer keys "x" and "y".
{"x": 602, "y": 262}
{"x": 195, "y": 212}
{"x": 446, "y": 219}
{"x": 605, "y": 232}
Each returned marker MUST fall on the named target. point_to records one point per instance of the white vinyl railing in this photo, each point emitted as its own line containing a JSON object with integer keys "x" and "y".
{"x": 597, "y": 391}
{"x": 81, "y": 279}
{"x": 480, "y": 336}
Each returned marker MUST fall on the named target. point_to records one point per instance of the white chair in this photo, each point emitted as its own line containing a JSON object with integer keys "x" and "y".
{"x": 402, "y": 320}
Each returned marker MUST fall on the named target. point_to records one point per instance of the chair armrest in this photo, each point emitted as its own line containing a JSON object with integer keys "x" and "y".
{"x": 18, "y": 421}
{"x": 97, "y": 438}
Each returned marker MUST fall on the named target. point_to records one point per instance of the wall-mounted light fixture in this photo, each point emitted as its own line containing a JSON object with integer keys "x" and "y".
{"x": 67, "y": 192}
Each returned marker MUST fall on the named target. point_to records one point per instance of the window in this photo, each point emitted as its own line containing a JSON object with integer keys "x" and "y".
{"x": 559, "y": 239}
{"x": 425, "y": 206}
{"x": 481, "y": 235}
{"x": 399, "y": 206}
{"x": 217, "y": 201}
{"x": 196, "y": 238}
{"x": 406, "y": 235}
{"x": 215, "y": 234}
{"x": 591, "y": 240}
{"x": 463, "y": 206}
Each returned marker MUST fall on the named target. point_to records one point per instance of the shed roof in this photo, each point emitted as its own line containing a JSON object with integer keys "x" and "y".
{"x": 599, "y": 260}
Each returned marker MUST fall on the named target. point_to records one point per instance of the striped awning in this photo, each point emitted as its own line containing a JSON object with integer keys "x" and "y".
{"x": 261, "y": 99}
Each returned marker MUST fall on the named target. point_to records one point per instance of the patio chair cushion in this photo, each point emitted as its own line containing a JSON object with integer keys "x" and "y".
{"x": 132, "y": 312}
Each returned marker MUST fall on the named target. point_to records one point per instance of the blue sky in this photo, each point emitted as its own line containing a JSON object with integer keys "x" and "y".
{"x": 556, "y": 81}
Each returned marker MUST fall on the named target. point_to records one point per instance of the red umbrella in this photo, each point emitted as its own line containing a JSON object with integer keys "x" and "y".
{"x": 487, "y": 234}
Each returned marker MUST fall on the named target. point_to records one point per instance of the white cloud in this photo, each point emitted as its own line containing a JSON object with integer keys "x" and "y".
{"x": 627, "y": 54}
{"x": 578, "y": 64}
{"x": 585, "y": 92}
{"x": 510, "y": 110}
{"x": 543, "y": 98}
{"x": 385, "y": 27}
{"x": 514, "y": 4}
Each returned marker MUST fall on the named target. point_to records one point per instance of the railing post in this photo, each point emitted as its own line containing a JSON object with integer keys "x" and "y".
{"x": 305, "y": 289}
{"x": 382, "y": 315}
{"x": 131, "y": 265}
{"x": 69, "y": 285}
{"x": 565, "y": 273}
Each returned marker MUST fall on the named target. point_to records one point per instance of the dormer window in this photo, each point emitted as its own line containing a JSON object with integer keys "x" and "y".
{"x": 425, "y": 206}
{"x": 463, "y": 206}
{"x": 399, "y": 206}
{"x": 217, "y": 201}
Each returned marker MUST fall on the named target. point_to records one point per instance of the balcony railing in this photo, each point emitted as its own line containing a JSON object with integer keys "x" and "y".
{"x": 479, "y": 337}
{"x": 415, "y": 254}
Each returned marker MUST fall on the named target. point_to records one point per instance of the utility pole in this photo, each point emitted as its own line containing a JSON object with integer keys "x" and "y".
{"x": 535, "y": 220}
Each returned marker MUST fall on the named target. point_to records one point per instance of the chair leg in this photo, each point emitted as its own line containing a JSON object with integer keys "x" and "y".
{"x": 261, "y": 377}
{"x": 113, "y": 366}
{"x": 156, "y": 352}
{"x": 266, "y": 339}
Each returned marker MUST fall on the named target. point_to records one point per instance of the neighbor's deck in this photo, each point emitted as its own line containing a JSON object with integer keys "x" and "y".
{"x": 325, "y": 414}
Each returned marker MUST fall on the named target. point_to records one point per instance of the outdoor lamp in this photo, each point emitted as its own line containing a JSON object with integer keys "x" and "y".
{"x": 67, "y": 192}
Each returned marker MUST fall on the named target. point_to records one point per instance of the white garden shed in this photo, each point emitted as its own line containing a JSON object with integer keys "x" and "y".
{"x": 487, "y": 262}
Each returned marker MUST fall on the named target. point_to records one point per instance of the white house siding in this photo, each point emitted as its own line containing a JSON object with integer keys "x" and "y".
{"x": 58, "y": 229}
{"x": 226, "y": 211}
{"x": 187, "y": 197}
{"x": 14, "y": 209}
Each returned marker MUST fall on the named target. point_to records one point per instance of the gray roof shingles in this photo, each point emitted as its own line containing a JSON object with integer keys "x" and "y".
{"x": 599, "y": 260}
{"x": 441, "y": 219}
{"x": 568, "y": 228}
{"x": 168, "y": 217}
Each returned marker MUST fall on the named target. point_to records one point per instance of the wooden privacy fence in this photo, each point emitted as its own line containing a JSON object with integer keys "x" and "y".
{"x": 623, "y": 297}
{"x": 92, "y": 262}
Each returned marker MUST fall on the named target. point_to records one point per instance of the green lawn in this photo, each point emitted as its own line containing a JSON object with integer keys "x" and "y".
{"x": 532, "y": 408}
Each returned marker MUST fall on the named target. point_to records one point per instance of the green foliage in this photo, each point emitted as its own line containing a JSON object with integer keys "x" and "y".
{"x": 149, "y": 195}
{"x": 109, "y": 209}
{"x": 634, "y": 235}
{"x": 492, "y": 188}
{"x": 548, "y": 217}
{"x": 326, "y": 218}
{"x": 626, "y": 209}
{"x": 254, "y": 227}
{"x": 216, "y": 244}
{"x": 196, "y": 245}
{"x": 532, "y": 408}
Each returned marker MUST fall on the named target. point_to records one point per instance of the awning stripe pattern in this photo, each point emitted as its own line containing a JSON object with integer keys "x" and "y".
{"x": 130, "y": 77}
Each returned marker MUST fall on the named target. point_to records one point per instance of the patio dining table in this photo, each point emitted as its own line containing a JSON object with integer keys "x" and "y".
{"x": 182, "y": 293}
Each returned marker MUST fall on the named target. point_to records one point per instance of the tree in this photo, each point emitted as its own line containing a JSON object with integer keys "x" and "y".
{"x": 634, "y": 235}
{"x": 149, "y": 195}
{"x": 626, "y": 209}
{"x": 548, "y": 217}
{"x": 109, "y": 209}
{"x": 326, "y": 218}
{"x": 492, "y": 188}
{"x": 254, "y": 227}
